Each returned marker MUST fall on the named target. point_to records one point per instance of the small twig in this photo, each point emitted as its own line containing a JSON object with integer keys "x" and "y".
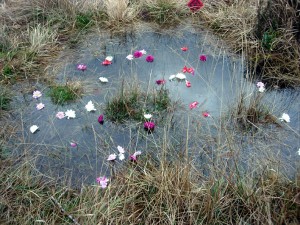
{"x": 64, "y": 211}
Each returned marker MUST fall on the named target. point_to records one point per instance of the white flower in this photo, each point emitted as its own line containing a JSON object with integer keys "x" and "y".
{"x": 70, "y": 114}
{"x": 103, "y": 79}
{"x": 172, "y": 77}
{"x": 109, "y": 58}
{"x": 285, "y": 117}
{"x": 261, "y": 89}
{"x": 143, "y": 52}
{"x": 137, "y": 153}
{"x": 260, "y": 84}
{"x": 129, "y": 57}
{"x": 121, "y": 156}
{"x": 33, "y": 128}
{"x": 180, "y": 76}
{"x": 40, "y": 106}
{"x": 121, "y": 149}
{"x": 90, "y": 106}
{"x": 147, "y": 116}
{"x": 111, "y": 157}
{"x": 299, "y": 151}
{"x": 37, "y": 94}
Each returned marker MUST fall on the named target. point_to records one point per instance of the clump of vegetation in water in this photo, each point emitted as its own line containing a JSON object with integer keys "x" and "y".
{"x": 5, "y": 98}
{"x": 62, "y": 94}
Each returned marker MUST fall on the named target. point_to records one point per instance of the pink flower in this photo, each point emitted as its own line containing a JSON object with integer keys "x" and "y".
{"x": 60, "y": 115}
{"x": 106, "y": 62}
{"x": 37, "y": 94}
{"x": 195, "y": 5}
{"x": 81, "y": 67}
{"x": 40, "y": 106}
{"x": 193, "y": 105}
{"x": 187, "y": 83}
{"x": 206, "y": 114}
{"x": 160, "y": 82}
{"x": 102, "y": 181}
{"x": 184, "y": 48}
{"x": 100, "y": 119}
{"x": 260, "y": 84}
{"x": 186, "y": 69}
{"x": 149, "y": 58}
{"x": 73, "y": 144}
{"x": 149, "y": 126}
{"x": 112, "y": 157}
{"x": 133, "y": 157}
{"x": 202, "y": 58}
{"x": 137, "y": 54}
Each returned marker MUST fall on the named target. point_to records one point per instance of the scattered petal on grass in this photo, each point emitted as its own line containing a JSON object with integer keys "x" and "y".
{"x": 285, "y": 118}
{"x": 202, "y": 58}
{"x": 193, "y": 105}
{"x": 101, "y": 119}
{"x": 90, "y": 106}
{"x": 134, "y": 156}
{"x": 149, "y": 58}
{"x": 184, "y": 48}
{"x": 81, "y": 67}
{"x": 149, "y": 126}
{"x": 129, "y": 57}
{"x": 106, "y": 62}
{"x": 260, "y": 84}
{"x": 37, "y": 94}
{"x": 33, "y": 128}
{"x": 195, "y": 5}
{"x": 206, "y": 114}
{"x": 261, "y": 89}
{"x": 188, "y": 84}
{"x": 60, "y": 115}
{"x": 121, "y": 149}
{"x": 70, "y": 114}
{"x": 137, "y": 54}
{"x": 172, "y": 77}
{"x": 112, "y": 157}
{"x": 109, "y": 58}
{"x": 102, "y": 181}
{"x": 160, "y": 82}
{"x": 40, "y": 106}
{"x": 121, "y": 156}
{"x": 147, "y": 116}
{"x": 143, "y": 51}
{"x": 180, "y": 76}
{"x": 73, "y": 144}
{"x": 103, "y": 79}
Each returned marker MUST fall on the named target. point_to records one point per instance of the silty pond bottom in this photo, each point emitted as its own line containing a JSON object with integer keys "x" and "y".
{"x": 215, "y": 84}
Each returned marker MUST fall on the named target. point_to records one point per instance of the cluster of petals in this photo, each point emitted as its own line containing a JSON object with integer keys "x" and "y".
{"x": 121, "y": 155}
{"x": 150, "y": 58}
{"x": 60, "y": 115}
{"x": 205, "y": 114}
{"x": 285, "y": 118}
{"x": 148, "y": 116}
{"x": 186, "y": 69}
{"x": 261, "y": 86}
{"x": 134, "y": 156}
{"x": 194, "y": 105}
{"x": 81, "y": 67}
{"x": 188, "y": 84}
{"x": 73, "y": 144}
{"x": 70, "y": 114}
{"x": 195, "y": 5}
{"x": 107, "y": 61}
{"x": 149, "y": 126}
{"x": 103, "y": 79}
{"x": 102, "y": 181}
{"x": 202, "y": 58}
{"x": 101, "y": 119}
{"x": 37, "y": 94}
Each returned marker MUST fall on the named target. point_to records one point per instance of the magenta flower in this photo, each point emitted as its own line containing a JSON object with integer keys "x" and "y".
{"x": 149, "y": 58}
{"x": 81, "y": 67}
{"x": 193, "y": 105}
{"x": 202, "y": 58}
{"x": 134, "y": 156}
{"x": 137, "y": 54}
{"x": 187, "y": 83}
{"x": 100, "y": 119}
{"x": 160, "y": 82}
{"x": 102, "y": 181}
{"x": 149, "y": 126}
{"x": 60, "y": 115}
{"x": 73, "y": 144}
{"x": 205, "y": 114}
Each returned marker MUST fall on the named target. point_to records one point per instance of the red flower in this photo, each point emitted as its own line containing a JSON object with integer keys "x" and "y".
{"x": 187, "y": 83}
{"x": 106, "y": 63}
{"x": 195, "y": 5}
{"x": 184, "y": 69}
{"x": 184, "y": 48}
{"x": 202, "y": 58}
{"x": 193, "y": 105}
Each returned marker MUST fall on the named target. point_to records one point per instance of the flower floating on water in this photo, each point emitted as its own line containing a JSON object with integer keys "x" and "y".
{"x": 160, "y": 82}
{"x": 186, "y": 69}
{"x": 194, "y": 105}
{"x": 188, "y": 84}
{"x": 143, "y": 51}
{"x": 106, "y": 62}
{"x": 180, "y": 76}
{"x": 112, "y": 157}
{"x": 73, "y": 144}
{"x": 299, "y": 151}
{"x": 109, "y": 58}
{"x": 202, "y": 58}
{"x": 81, "y": 67}
{"x": 149, "y": 126}
{"x": 100, "y": 119}
{"x": 121, "y": 156}
{"x": 70, "y": 114}
{"x": 129, "y": 57}
{"x": 40, "y": 106}
{"x": 33, "y": 128}
{"x": 147, "y": 116}
{"x": 261, "y": 89}
{"x": 102, "y": 181}
{"x": 37, "y": 94}
{"x": 133, "y": 157}
{"x": 260, "y": 84}
{"x": 205, "y": 114}
{"x": 285, "y": 117}
{"x": 172, "y": 77}
{"x": 90, "y": 106}
{"x": 121, "y": 149}
{"x": 184, "y": 48}
{"x": 60, "y": 115}
{"x": 149, "y": 58}
{"x": 103, "y": 79}
{"x": 137, "y": 54}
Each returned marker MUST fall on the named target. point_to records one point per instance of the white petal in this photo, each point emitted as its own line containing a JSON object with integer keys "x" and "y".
{"x": 143, "y": 52}
{"x": 129, "y": 57}
{"x": 172, "y": 77}
{"x": 33, "y": 128}
{"x": 90, "y": 106}
{"x": 147, "y": 116}
{"x": 103, "y": 79}
{"x": 121, "y": 156}
{"x": 180, "y": 76}
{"x": 109, "y": 58}
{"x": 70, "y": 114}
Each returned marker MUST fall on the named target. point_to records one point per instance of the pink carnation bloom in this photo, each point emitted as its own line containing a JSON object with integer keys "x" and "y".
{"x": 137, "y": 54}
{"x": 133, "y": 157}
{"x": 81, "y": 67}
{"x": 188, "y": 84}
{"x": 112, "y": 157}
{"x": 60, "y": 115}
{"x": 193, "y": 105}
{"x": 102, "y": 181}
{"x": 149, "y": 126}
{"x": 149, "y": 58}
{"x": 202, "y": 58}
